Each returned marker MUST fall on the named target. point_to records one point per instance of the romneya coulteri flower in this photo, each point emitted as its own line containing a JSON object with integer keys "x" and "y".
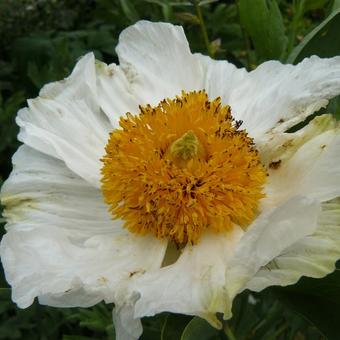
{"x": 169, "y": 183}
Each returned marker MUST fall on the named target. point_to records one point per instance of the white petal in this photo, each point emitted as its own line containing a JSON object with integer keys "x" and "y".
{"x": 115, "y": 92}
{"x": 194, "y": 284}
{"x": 313, "y": 256}
{"x": 61, "y": 244}
{"x": 45, "y": 263}
{"x": 126, "y": 326}
{"x": 309, "y": 162}
{"x": 274, "y": 95}
{"x": 77, "y": 296}
{"x": 156, "y": 59}
{"x": 66, "y": 122}
{"x": 221, "y": 78}
{"x": 269, "y": 235}
{"x": 42, "y": 190}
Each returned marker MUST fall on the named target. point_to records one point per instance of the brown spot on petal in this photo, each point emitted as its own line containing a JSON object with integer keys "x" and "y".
{"x": 275, "y": 165}
{"x": 136, "y": 272}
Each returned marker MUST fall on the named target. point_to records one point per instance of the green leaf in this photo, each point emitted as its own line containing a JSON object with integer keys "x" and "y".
{"x": 206, "y": 2}
{"x": 245, "y": 317}
{"x": 311, "y": 5}
{"x": 153, "y": 326}
{"x": 198, "y": 328}
{"x": 174, "y": 326}
{"x": 323, "y": 40}
{"x": 5, "y": 294}
{"x": 336, "y": 5}
{"x": 263, "y": 22}
{"x": 129, "y": 10}
{"x": 76, "y": 337}
{"x": 317, "y": 300}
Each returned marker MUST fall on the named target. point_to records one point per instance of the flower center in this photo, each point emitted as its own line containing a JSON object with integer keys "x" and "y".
{"x": 182, "y": 168}
{"x": 185, "y": 147}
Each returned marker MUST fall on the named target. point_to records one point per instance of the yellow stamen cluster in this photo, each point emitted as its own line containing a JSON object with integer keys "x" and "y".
{"x": 182, "y": 168}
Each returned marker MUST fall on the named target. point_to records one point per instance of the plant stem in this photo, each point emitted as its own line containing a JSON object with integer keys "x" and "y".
{"x": 229, "y": 333}
{"x": 203, "y": 27}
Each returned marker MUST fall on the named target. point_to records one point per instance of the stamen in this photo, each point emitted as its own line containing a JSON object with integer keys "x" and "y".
{"x": 182, "y": 168}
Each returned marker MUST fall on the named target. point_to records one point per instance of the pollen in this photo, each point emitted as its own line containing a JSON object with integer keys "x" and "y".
{"x": 182, "y": 168}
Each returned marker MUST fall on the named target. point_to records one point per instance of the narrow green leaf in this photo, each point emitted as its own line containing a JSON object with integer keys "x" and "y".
{"x": 129, "y": 10}
{"x": 206, "y": 2}
{"x": 263, "y": 22}
{"x": 198, "y": 328}
{"x": 311, "y": 5}
{"x": 322, "y": 41}
{"x": 157, "y": 2}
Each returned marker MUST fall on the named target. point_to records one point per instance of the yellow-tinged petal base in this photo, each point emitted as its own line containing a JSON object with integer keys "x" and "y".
{"x": 180, "y": 168}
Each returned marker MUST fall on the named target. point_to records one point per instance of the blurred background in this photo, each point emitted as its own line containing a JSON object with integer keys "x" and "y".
{"x": 41, "y": 40}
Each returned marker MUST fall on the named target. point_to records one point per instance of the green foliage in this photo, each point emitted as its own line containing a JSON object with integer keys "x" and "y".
{"x": 316, "y": 300}
{"x": 265, "y": 27}
{"x": 8, "y": 128}
{"x": 40, "y": 322}
{"x": 173, "y": 326}
{"x": 322, "y": 41}
{"x": 197, "y": 328}
{"x": 42, "y": 40}
{"x": 336, "y": 5}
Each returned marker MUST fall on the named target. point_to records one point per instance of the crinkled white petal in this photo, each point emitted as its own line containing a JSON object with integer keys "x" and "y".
{"x": 221, "y": 78}
{"x": 127, "y": 327}
{"x": 61, "y": 244}
{"x": 115, "y": 91}
{"x": 307, "y": 162}
{"x": 274, "y": 95}
{"x": 42, "y": 190}
{"x": 66, "y": 122}
{"x": 271, "y": 233}
{"x": 157, "y": 60}
{"x": 206, "y": 277}
{"x": 194, "y": 284}
{"x": 313, "y": 256}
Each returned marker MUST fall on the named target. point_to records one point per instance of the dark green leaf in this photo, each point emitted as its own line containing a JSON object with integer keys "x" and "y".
{"x": 198, "y": 328}
{"x": 263, "y": 22}
{"x": 5, "y": 293}
{"x": 323, "y": 40}
{"x": 174, "y": 326}
{"x": 76, "y": 337}
{"x": 317, "y": 300}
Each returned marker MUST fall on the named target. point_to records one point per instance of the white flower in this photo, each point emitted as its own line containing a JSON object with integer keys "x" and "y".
{"x": 62, "y": 244}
